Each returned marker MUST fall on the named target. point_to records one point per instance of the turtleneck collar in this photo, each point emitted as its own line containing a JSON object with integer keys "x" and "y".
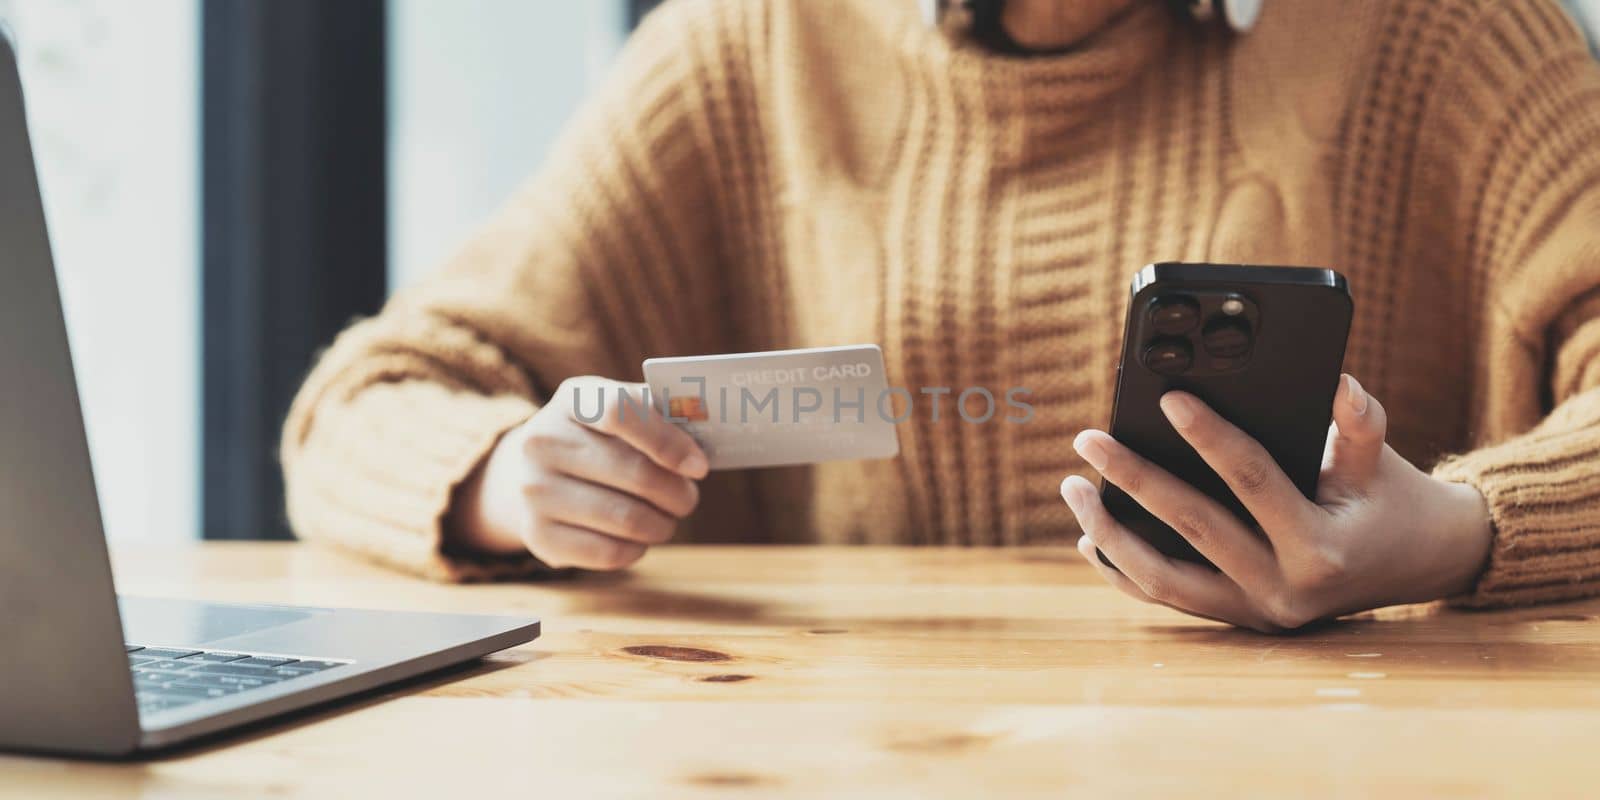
{"x": 1047, "y": 95}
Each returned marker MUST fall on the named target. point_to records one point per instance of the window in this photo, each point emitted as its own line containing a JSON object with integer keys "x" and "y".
{"x": 478, "y": 91}
{"x": 1587, "y": 12}
{"x": 111, "y": 89}
{"x": 228, "y": 182}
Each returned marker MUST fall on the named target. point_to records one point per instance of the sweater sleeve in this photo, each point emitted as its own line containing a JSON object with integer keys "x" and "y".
{"x": 1523, "y": 110}
{"x": 403, "y": 406}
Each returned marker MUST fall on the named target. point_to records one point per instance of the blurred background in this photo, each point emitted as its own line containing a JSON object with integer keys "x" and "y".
{"x": 229, "y": 182}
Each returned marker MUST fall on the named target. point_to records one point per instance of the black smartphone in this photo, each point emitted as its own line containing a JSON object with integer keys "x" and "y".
{"x": 1263, "y": 346}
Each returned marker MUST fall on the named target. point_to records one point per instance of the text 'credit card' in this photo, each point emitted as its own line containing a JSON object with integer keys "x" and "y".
{"x": 781, "y": 407}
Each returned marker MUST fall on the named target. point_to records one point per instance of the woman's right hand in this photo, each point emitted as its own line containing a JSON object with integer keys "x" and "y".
{"x": 593, "y": 495}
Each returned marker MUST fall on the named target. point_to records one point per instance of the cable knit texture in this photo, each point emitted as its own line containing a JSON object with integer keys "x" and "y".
{"x": 795, "y": 173}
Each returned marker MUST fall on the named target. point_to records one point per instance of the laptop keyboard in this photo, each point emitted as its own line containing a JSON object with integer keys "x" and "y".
{"x": 165, "y": 678}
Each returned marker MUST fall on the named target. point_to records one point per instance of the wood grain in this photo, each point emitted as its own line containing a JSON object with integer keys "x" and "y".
{"x": 888, "y": 673}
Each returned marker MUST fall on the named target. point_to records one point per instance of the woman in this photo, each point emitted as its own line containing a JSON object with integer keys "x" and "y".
{"x": 790, "y": 173}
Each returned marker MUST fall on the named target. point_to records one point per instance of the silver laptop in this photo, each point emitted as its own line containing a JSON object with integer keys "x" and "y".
{"x": 77, "y": 676}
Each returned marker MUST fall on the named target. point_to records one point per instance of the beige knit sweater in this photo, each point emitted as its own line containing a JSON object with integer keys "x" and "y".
{"x": 794, "y": 173}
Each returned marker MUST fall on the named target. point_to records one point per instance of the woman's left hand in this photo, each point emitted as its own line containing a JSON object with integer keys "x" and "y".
{"x": 1381, "y": 532}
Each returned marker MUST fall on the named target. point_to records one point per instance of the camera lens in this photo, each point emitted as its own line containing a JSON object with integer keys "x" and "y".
{"x": 1169, "y": 356}
{"x": 1174, "y": 316}
{"x": 1226, "y": 337}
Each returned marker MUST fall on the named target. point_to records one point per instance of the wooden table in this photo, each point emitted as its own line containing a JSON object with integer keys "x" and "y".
{"x": 888, "y": 673}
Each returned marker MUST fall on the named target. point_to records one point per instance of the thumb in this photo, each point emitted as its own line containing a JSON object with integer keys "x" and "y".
{"x": 1355, "y": 440}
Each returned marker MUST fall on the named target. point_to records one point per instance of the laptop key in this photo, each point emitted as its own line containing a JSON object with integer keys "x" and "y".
{"x": 161, "y": 698}
{"x": 318, "y": 666}
{"x": 214, "y": 658}
{"x": 265, "y": 661}
{"x": 134, "y": 661}
{"x": 169, "y": 665}
{"x": 247, "y": 682}
{"x": 209, "y": 691}
{"x": 152, "y": 669}
{"x": 166, "y": 652}
{"x": 210, "y": 682}
{"x": 230, "y": 669}
{"x": 169, "y": 674}
{"x": 169, "y": 702}
{"x": 153, "y": 681}
{"x": 183, "y": 689}
{"x": 132, "y": 647}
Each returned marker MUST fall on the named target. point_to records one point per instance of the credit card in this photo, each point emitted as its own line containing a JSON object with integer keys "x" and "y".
{"x": 781, "y": 407}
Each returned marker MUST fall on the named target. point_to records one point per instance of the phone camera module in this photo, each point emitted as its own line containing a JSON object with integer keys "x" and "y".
{"x": 1169, "y": 356}
{"x": 1174, "y": 316}
{"x": 1227, "y": 337}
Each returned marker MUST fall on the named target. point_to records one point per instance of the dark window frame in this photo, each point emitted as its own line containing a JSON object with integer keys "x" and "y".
{"x": 293, "y": 228}
{"x": 637, "y": 9}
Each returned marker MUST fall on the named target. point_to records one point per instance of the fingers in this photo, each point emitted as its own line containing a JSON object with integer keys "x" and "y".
{"x": 623, "y": 410}
{"x": 1246, "y": 466}
{"x": 1355, "y": 444}
{"x": 1184, "y": 586}
{"x": 585, "y": 505}
{"x": 608, "y": 461}
{"x": 1213, "y": 530}
{"x": 603, "y": 476}
{"x": 1087, "y": 549}
{"x": 560, "y": 545}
